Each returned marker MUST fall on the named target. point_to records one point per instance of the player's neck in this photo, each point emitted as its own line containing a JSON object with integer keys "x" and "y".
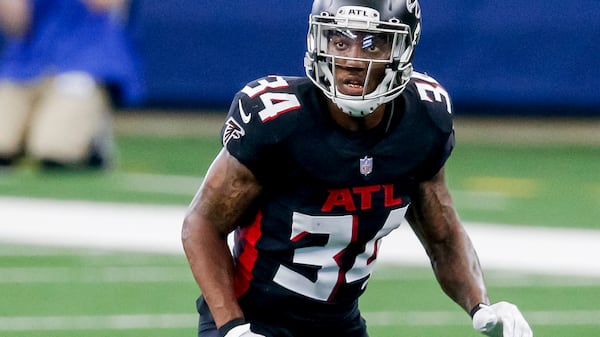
{"x": 356, "y": 123}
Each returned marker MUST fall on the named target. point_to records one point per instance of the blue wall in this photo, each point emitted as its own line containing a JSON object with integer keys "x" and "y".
{"x": 537, "y": 57}
{"x": 200, "y": 54}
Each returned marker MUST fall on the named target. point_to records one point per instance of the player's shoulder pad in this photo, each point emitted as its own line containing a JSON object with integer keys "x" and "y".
{"x": 263, "y": 107}
{"x": 434, "y": 99}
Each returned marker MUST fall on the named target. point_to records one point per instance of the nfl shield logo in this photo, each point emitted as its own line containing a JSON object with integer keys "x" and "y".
{"x": 366, "y": 165}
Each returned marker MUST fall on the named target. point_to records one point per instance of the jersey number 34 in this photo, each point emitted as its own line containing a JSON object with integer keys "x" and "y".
{"x": 341, "y": 231}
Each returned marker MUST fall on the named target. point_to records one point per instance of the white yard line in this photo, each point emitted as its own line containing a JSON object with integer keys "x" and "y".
{"x": 116, "y": 322}
{"x": 83, "y": 224}
{"x": 154, "y": 228}
{"x": 556, "y": 251}
{"x": 429, "y": 318}
{"x": 185, "y": 321}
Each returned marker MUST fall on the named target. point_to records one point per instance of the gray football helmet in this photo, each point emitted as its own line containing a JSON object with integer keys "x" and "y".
{"x": 390, "y": 25}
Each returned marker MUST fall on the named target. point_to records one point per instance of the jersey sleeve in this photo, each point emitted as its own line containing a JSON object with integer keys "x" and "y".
{"x": 438, "y": 161}
{"x": 260, "y": 117}
{"x": 439, "y": 111}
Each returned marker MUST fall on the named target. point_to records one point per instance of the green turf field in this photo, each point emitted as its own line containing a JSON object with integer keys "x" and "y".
{"x": 68, "y": 292}
{"x": 493, "y": 179}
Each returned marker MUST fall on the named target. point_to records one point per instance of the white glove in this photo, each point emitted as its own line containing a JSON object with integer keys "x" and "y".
{"x": 502, "y": 319}
{"x": 242, "y": 331}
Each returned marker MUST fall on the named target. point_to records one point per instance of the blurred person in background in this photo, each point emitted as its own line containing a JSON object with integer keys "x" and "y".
{"x": 65, "y": 65}
{"x": 317, "y": 170}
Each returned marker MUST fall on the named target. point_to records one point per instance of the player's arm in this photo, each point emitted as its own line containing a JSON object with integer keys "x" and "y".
{"x": 455, "y": 262}
{"x": 453, "y": 258}
{"x": 226, "y": 192}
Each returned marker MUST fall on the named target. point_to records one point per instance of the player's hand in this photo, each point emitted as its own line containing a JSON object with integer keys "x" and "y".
{"x": 502, "y": 319}
{"x": 242, "y": 331}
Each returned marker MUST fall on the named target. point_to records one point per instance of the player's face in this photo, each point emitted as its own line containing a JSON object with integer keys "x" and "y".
{"x": 355, "y": 53}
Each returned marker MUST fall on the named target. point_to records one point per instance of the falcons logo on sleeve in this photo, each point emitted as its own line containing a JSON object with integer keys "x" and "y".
{"x": 233, "y": 130}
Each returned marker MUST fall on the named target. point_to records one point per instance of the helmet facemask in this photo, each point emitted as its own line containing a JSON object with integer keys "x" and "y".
{"x": 387, "y": 51}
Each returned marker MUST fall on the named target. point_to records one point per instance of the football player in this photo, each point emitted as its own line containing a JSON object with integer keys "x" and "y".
{"x": 314, "y": 173}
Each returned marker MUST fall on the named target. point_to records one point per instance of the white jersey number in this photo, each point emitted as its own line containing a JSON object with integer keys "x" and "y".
{"x": 439, "y": 94}
{"x": 274, "y": 103}
{"x": 340, "y": 231}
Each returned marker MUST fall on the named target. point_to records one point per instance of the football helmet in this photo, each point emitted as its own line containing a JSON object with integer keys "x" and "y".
{"x": 392, "y": 27}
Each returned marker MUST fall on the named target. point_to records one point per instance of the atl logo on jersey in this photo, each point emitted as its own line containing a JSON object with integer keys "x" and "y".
{"x": 366, "y": 196}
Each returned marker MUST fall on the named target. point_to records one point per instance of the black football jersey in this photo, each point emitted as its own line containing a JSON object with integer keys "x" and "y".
{"x": 307, "y": 248}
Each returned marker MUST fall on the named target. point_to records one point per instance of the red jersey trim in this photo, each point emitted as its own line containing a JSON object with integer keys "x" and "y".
{"x": 248, "y": 237}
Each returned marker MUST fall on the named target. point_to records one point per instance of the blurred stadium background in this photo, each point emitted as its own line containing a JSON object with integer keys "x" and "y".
{"x": 525, "y": 82}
